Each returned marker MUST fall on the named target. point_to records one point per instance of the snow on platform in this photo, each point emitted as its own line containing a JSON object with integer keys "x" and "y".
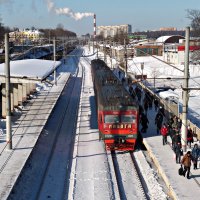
{"x": 180, "y": 187}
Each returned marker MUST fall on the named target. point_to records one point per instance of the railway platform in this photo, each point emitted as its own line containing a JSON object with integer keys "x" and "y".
{"x": 180, "y": 188}
{"x": 26, "y": 131}
{"x": 163, "y": 156}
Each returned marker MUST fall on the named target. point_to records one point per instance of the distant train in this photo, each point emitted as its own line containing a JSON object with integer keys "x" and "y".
{"x": 118, "y": 113}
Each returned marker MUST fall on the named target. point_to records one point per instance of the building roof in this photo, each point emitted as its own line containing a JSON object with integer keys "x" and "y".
{"x": 169, "y": 39}
{"x": 29, "y": 69}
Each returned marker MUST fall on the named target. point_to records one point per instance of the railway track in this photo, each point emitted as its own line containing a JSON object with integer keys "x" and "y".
{"x": 45, "y": 173}
{"x": 129, "y": 182}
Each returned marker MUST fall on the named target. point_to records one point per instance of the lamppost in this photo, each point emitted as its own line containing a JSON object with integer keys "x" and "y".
{"x": 111, "y": 55}
{"x": 125, "y": 57}
{"x": 185, "y": 90}
{"x": 8, "y": 100}
{"x": 54, "y": 56}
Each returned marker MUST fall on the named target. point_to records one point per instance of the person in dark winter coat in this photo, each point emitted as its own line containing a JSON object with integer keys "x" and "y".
{"x": 162, "y": 110}
{"x": 169, "y": 125}
{"x": 144, "y": 122}
{"x": 178, "y": 151}
{"x": 138, "y": 93}
{"x": 164, "y": 132}
{"x": 189, "y": 137}
{"x": 171, "y": 121}
{"x": 156, "y": 104}
{"x": 186, "y": 162}
{"x": 175, "y": 122}
{"x": 141, "y": 110}
{"x": 158, "y": 121}
{"x": 179, "y": 124}
{"x": 176, "y": 139}
{"x": 195, "y": 155}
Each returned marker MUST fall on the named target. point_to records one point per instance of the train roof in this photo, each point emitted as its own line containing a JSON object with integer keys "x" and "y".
{"x": 103, "y": 74}
{"x": 110, "y": 92}
{"x": 115, "y": 97}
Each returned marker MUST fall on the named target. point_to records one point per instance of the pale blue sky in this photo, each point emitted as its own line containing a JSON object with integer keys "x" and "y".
{"x": 142, "y": 15}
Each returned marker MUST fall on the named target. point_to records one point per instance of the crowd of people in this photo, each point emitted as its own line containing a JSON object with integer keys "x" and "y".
{"x": 172, "y": 128}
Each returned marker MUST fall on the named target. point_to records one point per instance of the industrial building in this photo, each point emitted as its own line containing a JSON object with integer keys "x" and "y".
{"x": 111, "y": 31}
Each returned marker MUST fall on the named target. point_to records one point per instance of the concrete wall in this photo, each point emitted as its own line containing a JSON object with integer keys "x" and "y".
{"x": 18, "y": 94}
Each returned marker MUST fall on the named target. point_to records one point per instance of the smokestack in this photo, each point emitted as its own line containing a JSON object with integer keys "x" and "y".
{"x": 94, "y": 26}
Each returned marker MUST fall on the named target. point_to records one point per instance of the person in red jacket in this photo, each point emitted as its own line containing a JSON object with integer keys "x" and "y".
{"x": 164, "y": 132}
{"x": 189, "y": 137}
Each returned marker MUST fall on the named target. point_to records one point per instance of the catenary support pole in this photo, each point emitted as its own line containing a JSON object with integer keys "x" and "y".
{"x": 54, "y": 58}
{"x": 125, "y": 57}
{"x": 8, "y": 102}
{"x": 185, "y": 91}
{"x": 94, "y": 34}
{"x": 104, "y": 51}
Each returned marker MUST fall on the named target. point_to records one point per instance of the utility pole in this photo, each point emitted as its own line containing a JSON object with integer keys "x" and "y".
{"x": 64, "y": 52}
{"x": 125, "y": 57}
{"x": 97, "y": 49}
{"x": 49, "y": 37}
{"x": 185, "y": 90}
{"x": 8, "y": 102}
{"x": 142, "y": 68}
{"x": 111, "y": 55}
{"x": 104, "y": 51}
{"x": 93, "y": 44}
{"x": 89, "y": 44}
{"x": 54, "y": 58}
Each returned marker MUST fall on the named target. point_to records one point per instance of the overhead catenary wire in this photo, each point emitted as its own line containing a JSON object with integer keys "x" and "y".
{"x": 167, "y": 64}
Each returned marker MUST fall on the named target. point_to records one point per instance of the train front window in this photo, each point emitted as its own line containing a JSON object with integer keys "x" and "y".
{"x": 111, "y": 119}
{"x": 127, "y": 119}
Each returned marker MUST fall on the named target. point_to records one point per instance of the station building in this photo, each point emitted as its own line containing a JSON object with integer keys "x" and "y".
{"x": 25, "y": 35}
{"x": 174, "y": 49}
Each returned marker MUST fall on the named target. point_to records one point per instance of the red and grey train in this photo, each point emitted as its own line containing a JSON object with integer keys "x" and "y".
{"x": 118, "y": 113}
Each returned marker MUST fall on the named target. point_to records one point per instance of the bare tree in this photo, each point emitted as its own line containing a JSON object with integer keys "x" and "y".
{"x": 155, "y": 74}
{"x": 194, "y": 16}
{"x": 60, "y": 26}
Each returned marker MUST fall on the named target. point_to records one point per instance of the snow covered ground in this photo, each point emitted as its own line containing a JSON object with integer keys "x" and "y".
{"x": 154, "y": 67}
{"x": 158, "y": 69}
{"x": 92, "y": 171}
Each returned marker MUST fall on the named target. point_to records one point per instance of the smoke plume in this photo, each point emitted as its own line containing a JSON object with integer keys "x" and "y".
{"x": 75, "y": 15}
{"x": 66, "y": 11}
{"x": 50, "y": 5}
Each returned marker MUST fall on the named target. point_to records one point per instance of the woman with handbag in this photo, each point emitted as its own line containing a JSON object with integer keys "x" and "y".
{"x": 186, "y": 162}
